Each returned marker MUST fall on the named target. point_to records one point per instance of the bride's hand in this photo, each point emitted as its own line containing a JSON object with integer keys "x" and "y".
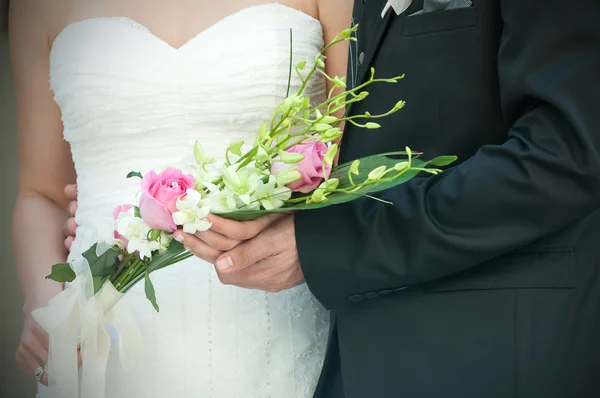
{"x": 224, "y": 235}
{"x": 70, "y": 227}
{"x": 32, "y": 353}
{"x": 33, "y": 349}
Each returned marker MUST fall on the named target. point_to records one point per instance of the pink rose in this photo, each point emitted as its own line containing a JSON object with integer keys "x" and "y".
{"x": 310, "y": 168}
{"x": 118, "y": 210}
{"x": 159, "y": 197}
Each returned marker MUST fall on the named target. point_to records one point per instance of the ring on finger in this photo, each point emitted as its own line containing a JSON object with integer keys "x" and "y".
{"x": 39, "y": 373}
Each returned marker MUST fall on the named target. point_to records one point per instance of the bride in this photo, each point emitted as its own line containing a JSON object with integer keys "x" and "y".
{"x": 105, "y": 87}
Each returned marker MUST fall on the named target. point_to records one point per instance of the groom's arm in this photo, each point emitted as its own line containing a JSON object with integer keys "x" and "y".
{"x": 545, "y": 176}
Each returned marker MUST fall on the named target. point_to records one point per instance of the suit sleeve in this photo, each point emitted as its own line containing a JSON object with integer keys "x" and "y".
{"x": 544, "y": 177}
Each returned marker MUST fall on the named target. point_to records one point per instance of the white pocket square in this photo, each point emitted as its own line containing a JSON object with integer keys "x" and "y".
{"x": 399, "y": 6}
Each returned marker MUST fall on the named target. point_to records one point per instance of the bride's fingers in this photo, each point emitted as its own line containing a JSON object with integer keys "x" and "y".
{"x": 69, "y": 228}
{"x": 42, "y": 336}
{"x": 69, "y": 242}
{"x": 25, "y": 361}
{"x": 29, "y": 363}
{"x": 217, "y": 241}
{"x": 71, "y": 191}
{"x": 36, "y": 350}
{"x": 72, "y": 208}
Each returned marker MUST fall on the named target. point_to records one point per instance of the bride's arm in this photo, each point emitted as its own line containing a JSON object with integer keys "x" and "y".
{"x": 335, "y": 16}
{"x": 45, "y": 163}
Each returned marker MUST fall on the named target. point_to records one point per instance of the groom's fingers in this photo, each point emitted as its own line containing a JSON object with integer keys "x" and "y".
{"x": 197, "y": 247}
{"x": 216, "y": 240}
{"x": 242, "y": 230}
{"x": 245, "y": 255}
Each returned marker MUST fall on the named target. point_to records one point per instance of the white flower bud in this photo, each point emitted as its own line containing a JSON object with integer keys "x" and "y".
{"x": 287, "y": 176}
{"x": 329, "y": 119}
{"x": 236, "y": 147}
{"x": 354, "y": 167}
{"x": 301, "y": 65}
{"x": 319, "y": 60}
{"x": 200, "y": 156}
{"x": 290, "y": 157}
{"x": 330, "y": 155}
{"x": 400, "y": 166}
{"x": 377, "y": 173}
{"x": 263, "y": 132}
{"x": 399, "y": 105}
{"x": 321, "y": 127}
{"x": 261, "y": 154}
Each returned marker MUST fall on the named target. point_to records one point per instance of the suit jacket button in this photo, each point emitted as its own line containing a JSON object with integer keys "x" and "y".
{"x": 361, "y": 58}
{"x": 355, "y": 298}
{"x": 371, "y": 295}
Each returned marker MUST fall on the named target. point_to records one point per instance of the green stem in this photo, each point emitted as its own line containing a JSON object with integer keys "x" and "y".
{"x": 290, "y": 71}
{"x": 122, "y": 266}
{"x": 131, "y": 273}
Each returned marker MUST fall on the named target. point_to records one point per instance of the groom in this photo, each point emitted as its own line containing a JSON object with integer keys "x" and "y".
{"x": 484, "y": 281}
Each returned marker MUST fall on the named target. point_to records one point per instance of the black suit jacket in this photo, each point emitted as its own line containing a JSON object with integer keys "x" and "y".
{"x": 484, "y": 281}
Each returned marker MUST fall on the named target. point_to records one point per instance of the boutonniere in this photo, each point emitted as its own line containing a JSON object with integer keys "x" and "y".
{"x": 399, "y": 6}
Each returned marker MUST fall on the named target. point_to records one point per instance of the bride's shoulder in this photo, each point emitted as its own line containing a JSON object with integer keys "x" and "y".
{"x": 335, "y": 13}
{"x": 41, "y": 16}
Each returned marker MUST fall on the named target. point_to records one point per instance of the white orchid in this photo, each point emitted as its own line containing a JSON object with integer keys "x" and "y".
{"x": 202, "y": 178}
{"x": 192, "y": 213}
{"x": 223, "y": 201}
{"x": 164, "y": 240}
{"x": 242, "y": 182}
{"x": 270, "y": 195}
{"x": 137, "y": 232}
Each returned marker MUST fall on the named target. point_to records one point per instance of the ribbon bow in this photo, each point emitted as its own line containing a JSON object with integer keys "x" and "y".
{"x": 76, "y": 318}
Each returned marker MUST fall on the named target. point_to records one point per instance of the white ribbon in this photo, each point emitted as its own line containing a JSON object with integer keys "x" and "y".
{"x": 76, "y": 318}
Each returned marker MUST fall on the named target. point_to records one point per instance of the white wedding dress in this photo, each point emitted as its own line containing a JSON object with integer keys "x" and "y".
{"x": 131, "y": 102}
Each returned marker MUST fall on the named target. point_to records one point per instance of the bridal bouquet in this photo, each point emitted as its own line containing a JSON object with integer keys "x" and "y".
{"x": 289, "y": 167}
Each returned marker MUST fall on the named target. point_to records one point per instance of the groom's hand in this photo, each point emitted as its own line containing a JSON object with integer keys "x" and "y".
{"x": 223, "y": 235}
{"x": 267, "y": 262}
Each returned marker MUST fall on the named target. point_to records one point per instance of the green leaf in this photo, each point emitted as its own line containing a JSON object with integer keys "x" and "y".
{"x": 134, "y": 174}
{"x": 364, "y": 167}
{"x": 149, "y": 289}
{"x": 98, "y": 283}
{"x": 136, "y": 212}
{"x": 159, "y": 261}
{"x": 104, "y": 265}
{"x": 62, "y": 273}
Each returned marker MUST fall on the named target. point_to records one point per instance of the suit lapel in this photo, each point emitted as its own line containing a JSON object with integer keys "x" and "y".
{"x": 379, "y": 28}
{"x": 377, "y": 35}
